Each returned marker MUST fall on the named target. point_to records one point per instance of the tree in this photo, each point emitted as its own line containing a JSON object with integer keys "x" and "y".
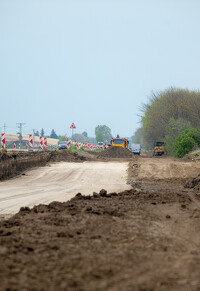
{"x": 62, "y": 138}
{"x": 79, "y": 137}
{"x": 171, "y": 103}
{"x": 53, "y": 134}
{"x": 100, "y": 137}
{"x": 42, "y": 132}
{"x": 37, "y": 133}
{"x": 92, "y": 139}
{"x": 188, "y": 141}
{"x": 85, "y": 133}
{"x": 175, "y": 129}
{"x": 138, "y": 135}
{"x": 103, "y": 132}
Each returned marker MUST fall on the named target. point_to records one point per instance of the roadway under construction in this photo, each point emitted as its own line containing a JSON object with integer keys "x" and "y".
{"x": 133, "y": 222}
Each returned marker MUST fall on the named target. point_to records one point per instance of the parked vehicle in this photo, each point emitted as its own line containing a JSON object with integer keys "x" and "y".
{"x": 159, "y": 148}
{"x": 136, "y": 148}
{"x": 107, "y": 145}
{"x": 101, "y": 145}
{"x": 62, "y": 145}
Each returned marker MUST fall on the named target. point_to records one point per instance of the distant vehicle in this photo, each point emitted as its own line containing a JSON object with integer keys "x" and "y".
{"x": 136, "y": 148}
{"x": 62, "y": 145}
{"x": 107, "y": 145}
{"x": 120, "y": 142}
{"x": 101, "y": 144}
{"x": 159, "y": 148}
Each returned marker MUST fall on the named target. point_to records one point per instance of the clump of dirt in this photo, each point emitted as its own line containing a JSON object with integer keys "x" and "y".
{"x": 116, "y": 152}
{"x": 65, "y": 156}
{"x": 193, "y": 183}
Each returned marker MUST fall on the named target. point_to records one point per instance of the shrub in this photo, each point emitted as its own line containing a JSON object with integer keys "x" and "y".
{"x": 174, "y": 129}
{"x": 189, "y": 140}
{"x": 71, "y": 149}
{"x": 4, "y": 150}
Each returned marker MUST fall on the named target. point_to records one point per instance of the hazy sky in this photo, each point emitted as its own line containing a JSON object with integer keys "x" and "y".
{"x": 93, "y": 62}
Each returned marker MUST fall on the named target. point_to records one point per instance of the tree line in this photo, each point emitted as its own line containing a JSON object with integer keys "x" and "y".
{"x": 102, "y": 133}
{"x": 167, "y": 116}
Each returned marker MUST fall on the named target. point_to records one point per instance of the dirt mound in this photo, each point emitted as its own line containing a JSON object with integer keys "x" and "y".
{"x": 116, "y": 152}
{"x": 65, "y": 156}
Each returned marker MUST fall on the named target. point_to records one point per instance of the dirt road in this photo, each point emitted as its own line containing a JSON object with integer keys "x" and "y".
{"x": 145, "y": 238}
{"x": 165, "y": 168}
{"x": 61, "y": 182}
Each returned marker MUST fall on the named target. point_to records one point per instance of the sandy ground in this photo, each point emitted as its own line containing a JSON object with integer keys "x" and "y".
{"x": 61, "y": 182}
{"x": 165, "y": 168}
{"x": 144, "y": 239}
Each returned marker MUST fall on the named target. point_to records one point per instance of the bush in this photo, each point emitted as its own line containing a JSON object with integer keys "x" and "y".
{"x": 81, "y": 149}
{"x": 188, "y": 141}
{"x": 4, "y": 150}
{"x": 175, "y": 129}
{"x": 71, "y": 149}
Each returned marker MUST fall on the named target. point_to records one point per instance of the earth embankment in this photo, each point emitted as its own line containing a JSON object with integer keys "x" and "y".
{"x": 13, "y": 164}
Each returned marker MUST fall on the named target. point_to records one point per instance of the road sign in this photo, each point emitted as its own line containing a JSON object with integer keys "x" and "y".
{"x": 73, "y": 126}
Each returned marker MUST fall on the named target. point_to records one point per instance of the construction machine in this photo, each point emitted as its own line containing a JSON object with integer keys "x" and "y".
{"x": 159, "y": 148}
{"x": 120, "y": 142}
{"x": 107, "y": 145}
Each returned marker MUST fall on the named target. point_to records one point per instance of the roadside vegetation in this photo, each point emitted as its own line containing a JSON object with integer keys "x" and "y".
{"x": 103, "y": 133}
{"x": 171, "y": 116}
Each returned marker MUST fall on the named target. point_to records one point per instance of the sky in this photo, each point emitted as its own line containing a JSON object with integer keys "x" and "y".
{"x": 93, "y": 62}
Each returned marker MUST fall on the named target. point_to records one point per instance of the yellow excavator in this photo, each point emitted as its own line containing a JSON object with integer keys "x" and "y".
{"x": 120, "y": 142}
{"x": 159, "y": 148}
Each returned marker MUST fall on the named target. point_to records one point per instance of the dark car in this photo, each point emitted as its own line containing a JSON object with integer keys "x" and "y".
{"x": 62, "y": 145}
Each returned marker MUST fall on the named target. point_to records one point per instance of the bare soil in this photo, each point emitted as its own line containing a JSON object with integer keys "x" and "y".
{"x": 145, "y": 238}
{"x": 115, "y": 152}
{"x": 14, "y": 164}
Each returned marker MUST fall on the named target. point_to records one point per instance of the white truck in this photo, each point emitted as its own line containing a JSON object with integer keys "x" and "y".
{"x": 136, "y": 148}
{"x": 101, "y": 145}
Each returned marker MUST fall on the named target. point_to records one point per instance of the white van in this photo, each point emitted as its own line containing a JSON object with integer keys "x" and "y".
{"x": 101, "y": 145}
{"x": 136, "y": 148}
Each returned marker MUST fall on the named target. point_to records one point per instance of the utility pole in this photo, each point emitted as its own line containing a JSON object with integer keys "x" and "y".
{"x": 20, "y": 135}
{"x": 4, "y": 128}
